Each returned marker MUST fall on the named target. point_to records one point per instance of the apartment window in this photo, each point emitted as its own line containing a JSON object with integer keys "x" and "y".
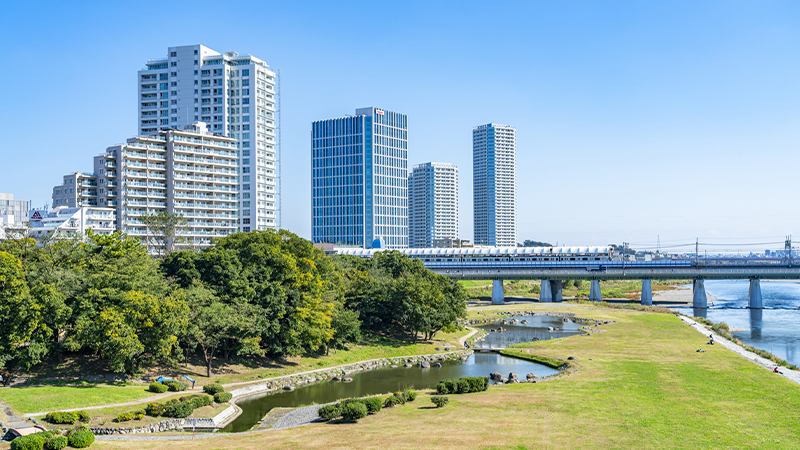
{"x": 245, "y": 72}
{"x": 164, "y": 104}
{"x": 173, "y": 102}
{"x": 162, "y": 76}
{"x": 174, "y": 92}
{"x": 195, "y": 52}
{"x": 246, "y": 144}
{"x": 173, "y": 54}
{"x": 195, "y": 117}
{"x": 174, "y": 84}
{"x": 246, "y": 221}
{"x": 246, "y": 229}
{"x": 246, "y": 187}
{"x": 195, "y": 62}
{"x": 246, "y": 204}
{"x": 174, "y": 110}
{"x": 162, "y": 86}
{"x": 164, "y": 121}
{"x": 246, "y": 110}
{"x": 245, "y": 135}
{"x": 245, "y": 101}
{"x": 245, "y": 118}
{"x": 72, "y": 181}
{"x": 173, "y": 74}
{"x": 245, "y": 152}
{"x": 173, "y": 64}
{"x": 246, "y": 82}
{"x": 195, "y": 82}
{"x": 164, "y": 95}
{"x": 246, "y": 161}
{"x": 245, "y": 91}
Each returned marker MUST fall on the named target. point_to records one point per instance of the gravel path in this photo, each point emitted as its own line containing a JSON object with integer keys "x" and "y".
{"x": 792, "y": 375}
{"x": 300, "y": 416}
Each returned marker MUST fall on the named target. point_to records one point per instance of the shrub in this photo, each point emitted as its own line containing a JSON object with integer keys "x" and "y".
{"x": 158, "y": 388}
{"x": 463, "y": 385}
{"x": 330, "y": 412}
{"x": 213, "y": 389}
{"x": 83, "y": 416}
{"x": 178, "y": 386}
{"x": 33, "y": 441}
{"x": 447, "y": 387}
{"x": 410, "y": 395}
{"x": 124, "y": 417}
{"x": 373, "y": 404}
{"x": 81, "y": 437}
{"x": 439, "y": 400}
{"x": 400, "y": 395}
{"x": 223, "y": 397}
{"x": 56, "y": 443}
{"x": 154, "y": 409}
{"x": 392, "y": 400}
{"x": 354, "y": 411}
{"x": 59, "y": 417}
{"x": 199, "y": 400}
{"x": 178, "y": 410}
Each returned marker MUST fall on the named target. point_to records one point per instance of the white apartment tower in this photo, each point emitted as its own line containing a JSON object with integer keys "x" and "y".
{"x": 432, "y": 204}
{"x": 235, "y": 95}
{"x": 191, "y": 172}
{"x": 494, "y": 155}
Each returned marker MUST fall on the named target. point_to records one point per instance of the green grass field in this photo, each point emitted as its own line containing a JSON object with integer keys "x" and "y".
{"x": 641, "y": 384}
{"x": 25, "y": 400}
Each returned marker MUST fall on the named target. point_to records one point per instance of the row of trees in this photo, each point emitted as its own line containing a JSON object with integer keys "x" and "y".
{"x": 260, "y": 293}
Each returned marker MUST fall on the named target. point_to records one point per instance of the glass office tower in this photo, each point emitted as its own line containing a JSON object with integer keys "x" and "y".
{"x": 359, "y": 179}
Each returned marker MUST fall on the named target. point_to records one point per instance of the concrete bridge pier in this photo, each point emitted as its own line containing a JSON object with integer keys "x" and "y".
{"x": 545, "y": 294}
{"x": 555, "y": 287}
{"x": 647, "y": 292}
{"x": 498, "y": 296}
{"x": 754, "y": 298}
{"x": 699, "y": 298}
{"x": 594, "y": 291}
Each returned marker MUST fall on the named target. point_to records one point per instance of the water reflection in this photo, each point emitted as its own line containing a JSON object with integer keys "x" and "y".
{"x": 700, "y": 312}
{"x": 756, "y": 322}
{"x": 537, "y": 328}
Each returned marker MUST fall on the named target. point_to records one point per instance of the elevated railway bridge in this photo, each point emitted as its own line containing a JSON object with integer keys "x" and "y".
{"x": 554, "y": 265}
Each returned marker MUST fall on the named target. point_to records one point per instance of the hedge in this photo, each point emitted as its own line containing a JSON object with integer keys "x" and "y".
{"x": 330, "y": 412}
{"x": 353, "y": 411}
{"x": 373, "y": 404}
{"x": 199, "y": 400}
{"x": 177, "y": 386}
{"x": 223, "y": 397}
{"x": 158, "y": 388}
{"x": 439, "y": 400}
{"x": 56, "y": 443}
{"x": 33, "y": 441}
{"x": 81, "y": 437}
{"x": 60, "y": 417}
{"x": 213, "y": 389}
{"x": 463, "y": 385}
{"x": 83, "y": 416}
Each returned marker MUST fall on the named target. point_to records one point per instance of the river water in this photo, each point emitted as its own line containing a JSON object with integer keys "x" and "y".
{"x": 775, "y": 329}
{"x": 387, "y": 379}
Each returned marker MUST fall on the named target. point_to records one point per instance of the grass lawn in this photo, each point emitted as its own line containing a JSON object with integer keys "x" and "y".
{"x": 51, "y": 398}
{"x": 641, "y": 385}
{"x": 105, "y": 416}
{"x": 619, "y": 289}
{"x": 25, "y": 400}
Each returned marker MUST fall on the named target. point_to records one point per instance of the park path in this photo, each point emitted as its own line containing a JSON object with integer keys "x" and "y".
{"x": 792, "y": 375}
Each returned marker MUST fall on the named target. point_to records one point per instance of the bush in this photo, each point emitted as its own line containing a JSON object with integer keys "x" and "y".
{"x": 223, "y": 397}
{"x": 373, "y": 404}
{"x": 154, "y": 409}
{"x": 447, "y": 387}
{"x": 401, "y": 396}
{"x": 178, "y": 410}
{"x": 59, "y": 417}
{"x": 158, "y": 388}
{"x": 33, "y": 441}
{"x": 354, "y": 411}
{"x": 410, "y": 395}
{"x": 199, "y": 400}
{"x": 124, "y": 417}
{"x": 330, "y": 412}
{"x": 56, "y": 443}
{"x": 212, "y": 389}
{"x": 177, "y": 386}
{"x": 463, "y": 385}
{"x": 83, "y": 416}
{"x": 81, "y": 437}
{"x": 392, "y": 400}
{"x": 439, "y": 400}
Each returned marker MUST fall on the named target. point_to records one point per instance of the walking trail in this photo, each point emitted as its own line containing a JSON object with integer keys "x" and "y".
{"x": 793, "y": 375}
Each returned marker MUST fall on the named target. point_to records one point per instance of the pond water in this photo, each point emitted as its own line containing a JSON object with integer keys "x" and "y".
{"x": 387, "y": 379}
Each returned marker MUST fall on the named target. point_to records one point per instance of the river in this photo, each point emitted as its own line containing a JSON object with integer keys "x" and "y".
{"x": 774, "y": 328}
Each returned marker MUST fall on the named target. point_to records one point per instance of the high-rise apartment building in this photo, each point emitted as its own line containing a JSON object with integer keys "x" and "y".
{"x": 360, "y": 179}
{"x": 432, "y": 204}
{"x": 191, "y": 172}
{"x": 494, "y": 155}
{"x": 235, "y": 95}
{"x": 78, "y": 189}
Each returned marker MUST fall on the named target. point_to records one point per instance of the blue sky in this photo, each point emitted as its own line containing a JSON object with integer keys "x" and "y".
{"x": 634, "y": 119}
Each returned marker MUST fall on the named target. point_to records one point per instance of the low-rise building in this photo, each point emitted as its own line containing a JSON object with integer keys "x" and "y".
{"x": 63, "y": 221}
{"x": 451, "y": 243}
{"x": 13, "y": 213}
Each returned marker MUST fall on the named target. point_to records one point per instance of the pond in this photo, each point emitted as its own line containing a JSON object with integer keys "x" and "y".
{"x": 387, "y": 379}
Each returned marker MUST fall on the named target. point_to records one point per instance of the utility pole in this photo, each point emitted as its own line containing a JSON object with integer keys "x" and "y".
{"x": 696, "y": 249}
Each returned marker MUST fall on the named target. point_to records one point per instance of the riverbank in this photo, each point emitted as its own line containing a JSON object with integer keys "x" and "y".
{"x": 642, "y": 384}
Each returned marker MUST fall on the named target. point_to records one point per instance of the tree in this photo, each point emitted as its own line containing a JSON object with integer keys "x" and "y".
{"x": 346, "y": 328}
{"x": 214, "y": 325}
{"x": 19, "y": 315}
{"x": 163, "y": 231}
{"x": 530, "y": 243}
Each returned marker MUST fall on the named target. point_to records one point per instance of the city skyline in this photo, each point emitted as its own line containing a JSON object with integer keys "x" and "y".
{"x": 641, "y": 109}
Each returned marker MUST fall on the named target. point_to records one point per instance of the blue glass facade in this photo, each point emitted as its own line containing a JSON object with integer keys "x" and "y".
{"x": 359, "y": 179}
